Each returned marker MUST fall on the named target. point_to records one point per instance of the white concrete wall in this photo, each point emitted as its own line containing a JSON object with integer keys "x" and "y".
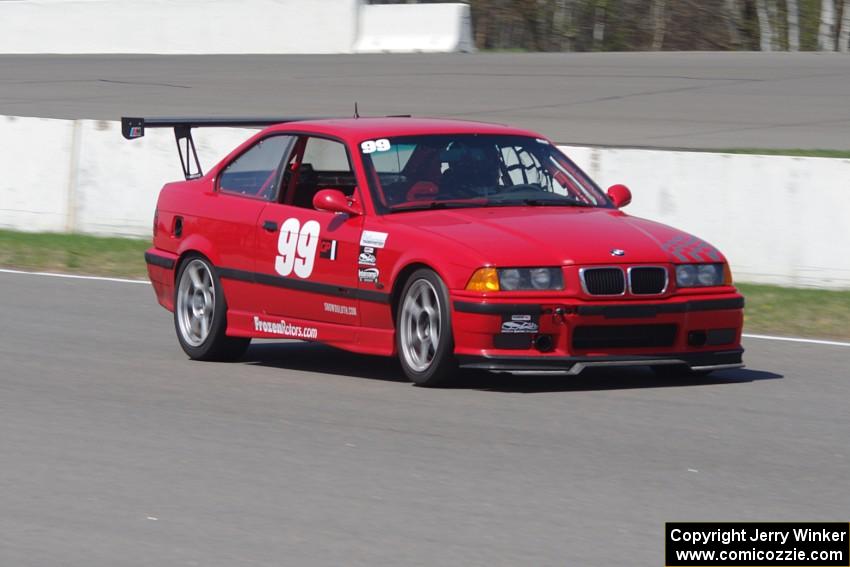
{"x": 117, "y": 181}
{"x": 230, "y": 26}
{"x": 82, "y": 176}
{"x": 36, "y": 157}
{"x": 410, "y": 28}
{"x": 178, "y": 26}
{"x": 781, "y": 220}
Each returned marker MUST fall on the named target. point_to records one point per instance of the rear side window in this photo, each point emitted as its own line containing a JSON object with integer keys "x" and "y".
{"x": 323, "y": 165}
{"x": 256, "y": 173}
{"x": 326, "y": 155}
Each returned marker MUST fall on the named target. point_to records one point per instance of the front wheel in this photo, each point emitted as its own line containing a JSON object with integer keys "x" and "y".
{"x": 200, "y": 314}
{"x": 424, "y": 331}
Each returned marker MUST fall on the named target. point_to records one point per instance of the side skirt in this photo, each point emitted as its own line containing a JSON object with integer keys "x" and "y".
{"x": 354, "y": 339}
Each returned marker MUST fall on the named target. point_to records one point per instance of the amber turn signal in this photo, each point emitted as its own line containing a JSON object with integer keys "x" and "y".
{"x": 484, "y": 279}
{"x": 727, "y": 275}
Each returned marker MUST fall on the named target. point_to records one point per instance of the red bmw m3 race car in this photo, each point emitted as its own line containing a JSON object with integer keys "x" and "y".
{"x": 445, "y": 243}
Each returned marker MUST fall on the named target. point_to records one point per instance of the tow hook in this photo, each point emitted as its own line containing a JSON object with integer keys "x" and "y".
{"x": 558, "y": 315}
{"x": 544, "y": 343}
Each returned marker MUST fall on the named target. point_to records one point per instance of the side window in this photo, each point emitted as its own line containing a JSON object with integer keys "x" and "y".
{"x": 324, "y": 165}
{"x": 255, "y": 173}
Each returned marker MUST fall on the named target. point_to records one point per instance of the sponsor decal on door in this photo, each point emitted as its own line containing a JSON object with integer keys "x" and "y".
{"x": 373, "y": 239}
{"x": 327, "y": 249}
{"x": 368, "y": 256}
{"x": 368, "y": 275}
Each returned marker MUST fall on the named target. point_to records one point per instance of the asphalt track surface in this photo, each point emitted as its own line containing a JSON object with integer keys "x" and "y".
{"x": 688, "y": 100}
{"x": 117, "y": 450}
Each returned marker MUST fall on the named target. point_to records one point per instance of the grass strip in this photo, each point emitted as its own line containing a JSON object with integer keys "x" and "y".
{"x": 840, "y": 154}
{"x": 770, "y": 309}
{"x": 787, "y": 311}
{"x": 74, "y": 253}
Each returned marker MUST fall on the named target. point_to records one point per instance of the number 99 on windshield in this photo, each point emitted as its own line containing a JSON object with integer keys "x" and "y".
{"x": 372, "y": 146}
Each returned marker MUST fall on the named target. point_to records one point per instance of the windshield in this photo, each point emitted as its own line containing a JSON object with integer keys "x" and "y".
{"x": 471, "y": 170}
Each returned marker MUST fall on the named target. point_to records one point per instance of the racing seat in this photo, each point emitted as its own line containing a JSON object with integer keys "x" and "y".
{"x": 306, "y": 187}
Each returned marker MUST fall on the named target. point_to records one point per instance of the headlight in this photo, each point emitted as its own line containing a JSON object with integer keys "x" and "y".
{"x": 541, "y": 278}
{"x": 512, "y": 279}
{"x": 710, "y": 274}
{"x": 686, "y": 275}
{"x": 699, "y": 275}
{"x": 509, "y": 280}
{"x": 516, "y": 279}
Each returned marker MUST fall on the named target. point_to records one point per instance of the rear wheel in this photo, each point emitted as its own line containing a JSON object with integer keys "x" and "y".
{"x": 200, "y": 314}
{"x": 424, "y": 332}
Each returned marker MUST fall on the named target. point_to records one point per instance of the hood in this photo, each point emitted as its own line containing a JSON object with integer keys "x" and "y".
{"x": 551, "y": 236}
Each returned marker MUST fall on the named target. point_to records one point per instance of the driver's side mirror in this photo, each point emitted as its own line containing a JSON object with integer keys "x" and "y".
{"x": 620, "y": 195}
{"x": 335, "y": 201}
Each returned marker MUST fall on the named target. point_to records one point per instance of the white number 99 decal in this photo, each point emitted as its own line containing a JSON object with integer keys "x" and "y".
{"x": 371, "y": 146}
{"x": 297, "y": 248}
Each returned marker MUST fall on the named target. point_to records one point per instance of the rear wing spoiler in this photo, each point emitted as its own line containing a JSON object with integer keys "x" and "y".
{"x": 133, "y": 128}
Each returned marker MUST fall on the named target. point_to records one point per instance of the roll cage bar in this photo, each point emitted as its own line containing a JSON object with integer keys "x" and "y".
{"x": 133, "y": 128}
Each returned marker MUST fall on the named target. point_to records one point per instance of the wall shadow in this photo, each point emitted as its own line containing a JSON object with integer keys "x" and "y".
{"x": 598, "y": 379}
{"x": 315, "y": 357}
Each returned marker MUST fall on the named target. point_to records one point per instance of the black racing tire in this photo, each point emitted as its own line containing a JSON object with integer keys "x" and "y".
{"x": 200, "y": 313}
{"x": 424, "y": 330}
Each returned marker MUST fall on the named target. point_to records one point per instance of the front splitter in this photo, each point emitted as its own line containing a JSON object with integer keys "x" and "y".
{"x": 572, "y": 365}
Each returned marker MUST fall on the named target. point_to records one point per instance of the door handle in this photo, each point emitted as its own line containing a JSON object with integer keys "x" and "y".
{"x": 270, "y": 226}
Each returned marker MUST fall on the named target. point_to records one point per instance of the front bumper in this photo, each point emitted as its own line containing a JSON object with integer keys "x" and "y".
{"x": 700, "y": 331}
